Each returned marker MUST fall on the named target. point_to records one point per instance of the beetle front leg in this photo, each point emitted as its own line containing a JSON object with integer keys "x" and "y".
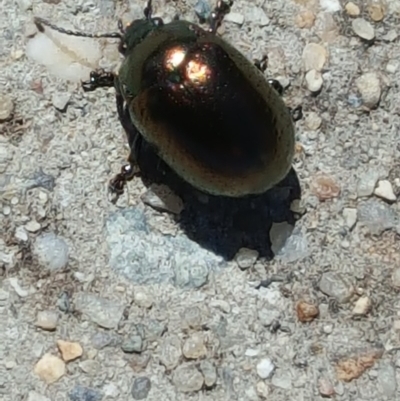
{"x": 99, "y": 79}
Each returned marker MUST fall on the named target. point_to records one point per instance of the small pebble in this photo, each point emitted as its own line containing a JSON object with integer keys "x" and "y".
{"x": 21, "y": 234}
{"x": 141, "y": 388}
{"x": 50, "y": 368}
{"x": 69, "y": 350}
{"x": 314, "y": 56}
{"x": 392, "y": 66}
{"x": 352, "y": 9}
{"x": 236, "y": 18}
{"x": 387, "y": 380}
{"x": 81, "y": 393}
{"x": 385, "y": 191}
{"x": 279, "y": 235}
{"x": 34, "y": 396}
{"x": 161, "y": 198}
{"x": 331, "y": 6}
{"x": 314, "y": 81}
{"x": 47, "y": 320}
{"x": 246, "y": 258}
{"x": 334, "y": 285}
{"x": 25, "y": 5}
{"x": 369, "y": 87}
{"x": 396, "y": 278}
{"x": 33, "y": 226}
{"x": 209, "y": 373}
{"x": 171, "y": 352}
{"x": 194, "y": 347}
{"x": 6, "y": 107}
{"x": 350, "y": 217}
{"x": 325, "y": 388}
{"x": 313, "y": 121}
{"x": 306, "y": 312}
{"x": 265, "y": 368}
{"x": 90, "y": 366}
{"x": 362, "y": 306}
{"x": 376, "y": 11}
{"x": 133, "y": 344}
{"x": 305, "y": 19}
{"x": 187, "y": 379}
{"x": 60, "y": 101}
{"x": 367, "y": 182}
{"x": 143, "y": 298}
{"x": 325, "y": 187}
{"x": 52, "y": 251}
{"x": 282, "y": 380}
{"x": 363, "y": 29}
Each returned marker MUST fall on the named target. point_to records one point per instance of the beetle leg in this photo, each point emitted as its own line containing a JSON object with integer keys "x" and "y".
{"x": 129, "y": 170}
{"x": 216, "y": 17}
{"x": 297, "y": 113}
{"x": 262, "y": 64}
{"x": 98, "y": 79}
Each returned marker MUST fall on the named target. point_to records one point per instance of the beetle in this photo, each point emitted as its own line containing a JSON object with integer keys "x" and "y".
{"x": 207, "y": 111}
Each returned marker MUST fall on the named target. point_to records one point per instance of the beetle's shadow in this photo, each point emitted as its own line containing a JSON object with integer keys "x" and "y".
{"x": 221, "y": 224}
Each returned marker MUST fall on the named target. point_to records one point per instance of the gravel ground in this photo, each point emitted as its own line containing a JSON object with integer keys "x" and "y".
{"x": 289, "y": 296}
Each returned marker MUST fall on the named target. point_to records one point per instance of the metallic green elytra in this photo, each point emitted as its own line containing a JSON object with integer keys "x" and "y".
{"x": 206, "y": 109}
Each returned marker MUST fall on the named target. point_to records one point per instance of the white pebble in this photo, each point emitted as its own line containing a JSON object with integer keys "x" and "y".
{"x": 370, "y": 88}
{"x": 33, "y": 226}
{"x": 21, "y": 234}
{"x": 363, "y": 29}
{"x": 362, "y": 306}
{"x": 52, "y": 251}
{"x": 385, "y": 191}
{"x": 236, "y": 18}
{"x": 314, "y": 81}
{"x": 350, "y": 217}
{"x": 265, "y": 368}
{"x": 314, "y": 56}
{"x": 330, "y": 6}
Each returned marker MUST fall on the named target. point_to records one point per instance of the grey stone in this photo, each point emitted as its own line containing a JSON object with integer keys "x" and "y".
{"x": 146, "y": 257}
{"x": 186, "y": 378}
{"x": 81, "y": 393}
{"x": 282, "y": 379}
{"x": 209, "y": 373}
{"x": 60, "y": 101}
{"x": 6, "y": 107}
{"x": 132, "y": 344}
{"x": 51, "y": 250}
{"x": 141, "y": 388}
{"x": 103, "y": 339}
{"x": 161, "y": 198}
{"x": 370, "y": 89}
{"x": 47, "y": 320}
{"x": 334, "y": 285}
{"x": 34, "y": 396}
{"x": 363, "y": 29}
{"x": 295, "y": 248}
{"x": 387, "y": 380}
{"x": 171, "y": 352}
{"x": 367, "y": 182}
{"x": 265, "y": 368}
{"x": 103, "y": 312}
{"x": 377, "y": 216}
{"x": 246, "y": 258}
{"x": 202, "y": 9}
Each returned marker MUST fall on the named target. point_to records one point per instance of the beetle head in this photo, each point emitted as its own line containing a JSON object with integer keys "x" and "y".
{"x": 137, "y": 31}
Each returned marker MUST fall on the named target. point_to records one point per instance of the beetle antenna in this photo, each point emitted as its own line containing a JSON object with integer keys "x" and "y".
{"x": 41, "y": 22}
{"x": 148, "y": 10}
